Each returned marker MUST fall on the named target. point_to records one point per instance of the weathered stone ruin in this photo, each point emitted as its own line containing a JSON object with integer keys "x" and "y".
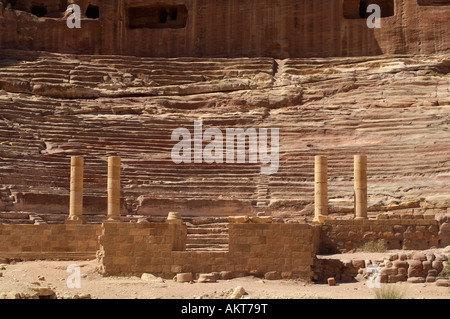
{"x": 86, "y": 117}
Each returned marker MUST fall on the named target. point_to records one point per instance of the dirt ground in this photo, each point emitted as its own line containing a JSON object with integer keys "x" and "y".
{"x": 53, "y": 274}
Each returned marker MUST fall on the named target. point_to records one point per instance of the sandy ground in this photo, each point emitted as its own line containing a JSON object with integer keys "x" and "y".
{"x": 54, "y": 274}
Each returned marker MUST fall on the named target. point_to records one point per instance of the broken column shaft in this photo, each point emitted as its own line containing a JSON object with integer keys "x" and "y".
{"x": 114, "y": 188}
{"x": 321, "y": 188}
{"x": 360, "y": 186}
{"x": 76, "y": 190}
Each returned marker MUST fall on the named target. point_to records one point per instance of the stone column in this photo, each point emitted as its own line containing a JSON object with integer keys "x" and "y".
{"x": 320, "y": 188}
{"x": 76, "y": 191}
{"x": 360, "y": 186}
{"x": 174, "y": 218}
{"x": 114, "y": 188}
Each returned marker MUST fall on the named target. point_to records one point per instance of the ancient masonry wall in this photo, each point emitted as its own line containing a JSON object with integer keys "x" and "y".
{"x": 284, "y": 250}
{"x": 409, "y": 232}
{"x": 276, "y": 250}
{"x": 30, "y": 242}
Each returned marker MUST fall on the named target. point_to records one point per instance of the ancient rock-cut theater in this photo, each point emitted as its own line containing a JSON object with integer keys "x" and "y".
{"x": 87, "y": 114}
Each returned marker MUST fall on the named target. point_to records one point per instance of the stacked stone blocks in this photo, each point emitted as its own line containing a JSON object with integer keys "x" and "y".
{"x": 346, "y": 235}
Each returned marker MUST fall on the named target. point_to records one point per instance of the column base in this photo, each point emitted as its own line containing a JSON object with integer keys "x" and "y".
{"x": 174, "y": 221}
{"x": 320, "y": 219}
{"x": 360, "y": 218}
{"x": 75, "y": 220}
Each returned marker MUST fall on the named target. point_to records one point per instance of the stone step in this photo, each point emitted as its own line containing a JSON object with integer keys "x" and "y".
{"x": 211, "y": 239}
{"x": 16, "y": 221}
{"x": 207, "y": 234}
{"x": 207, "y": 230}
{"x": 208, "y": 247}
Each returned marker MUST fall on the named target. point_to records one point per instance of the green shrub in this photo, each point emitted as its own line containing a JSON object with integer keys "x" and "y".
{"x": 374, "y": 246}
{"x": 446, "y": 271}
{"x": 389, "y": 292}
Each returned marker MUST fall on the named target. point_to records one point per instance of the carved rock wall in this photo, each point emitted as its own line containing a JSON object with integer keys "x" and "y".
{"x": 229, "y": 28}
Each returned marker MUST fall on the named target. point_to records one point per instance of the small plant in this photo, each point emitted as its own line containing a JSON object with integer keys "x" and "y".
{"x": 374, "y": 246}
{"x": 389, "y": 292}
{"x": 446, "y": 271}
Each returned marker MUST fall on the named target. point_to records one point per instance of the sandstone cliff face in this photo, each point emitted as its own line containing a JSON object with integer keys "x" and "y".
{"x": 228, "y": 28}
{"x": 395, "y": 109}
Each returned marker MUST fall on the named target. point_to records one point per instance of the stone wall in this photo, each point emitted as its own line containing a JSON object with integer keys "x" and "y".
{"x": 28, "y": 242}
{"x": 415, "y": 267}
{"x": 273, "y": 247}
{"x": 274, "y": 250}
{"x": 211, "y": 28}
{"x": 410, "y": 232}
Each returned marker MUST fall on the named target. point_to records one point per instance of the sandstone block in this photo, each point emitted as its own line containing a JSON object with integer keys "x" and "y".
{"x": 416, "y": 280}
{"x": 400, "y": 264}
{"x": 272, "y": 275}
{"x": 430, "y": 279}
{"x": 389, "y": 271}
{"x": 393, "y": 257}
{"x": 402, "y": 271}
{"x": 238, "y": 292}
{"x": 426, "y": 265}
{"x": 261, "y": 219}
{"x": 412, "y": 272}
{"x": 226, "y": 275}
{"x": 207, "y": 278}
{"x": 433, "y": 273}
{"x": 397, "y": 278}
{"x": 238, "y": 219}
{"x": 419, "y": 256}
{"x": 416, "y": 264}
{"x": 286, "y": 274}
{"x": 384, "y": 279}
{"x": 402, "y": 256}
{"x": 184, "y": 277}
{"x": 331, "y": 282}
{"x": 438, "y": 265}
{"x": 359, "y": 263}
{"x": 442, "y": 282}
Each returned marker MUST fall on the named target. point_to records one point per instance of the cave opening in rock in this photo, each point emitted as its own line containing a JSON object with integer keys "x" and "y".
{"x": 93, "y": 12}
{"x": 162, "y": 14}
{"x": 39, "y": 11}
{"x": 433, "y": 2}
{"x": 157, "y": 17}
{"x": 173, "y": 13}
{"x": 362, "y": 9}
{"x": 357, "y": 9}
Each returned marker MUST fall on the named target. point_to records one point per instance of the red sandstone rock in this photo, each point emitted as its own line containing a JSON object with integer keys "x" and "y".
{"x": 207, "y": 278}
{"x": 272, "y": 275}
{"x": 204, "y": 28}
{"x": 135, "y": 119}
{"x": 331, "y": 282}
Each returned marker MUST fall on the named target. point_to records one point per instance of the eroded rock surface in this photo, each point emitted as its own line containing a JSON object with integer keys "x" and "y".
{"x": 395, "y": 109}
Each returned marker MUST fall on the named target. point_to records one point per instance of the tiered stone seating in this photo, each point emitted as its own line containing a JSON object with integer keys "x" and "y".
{"x": 206, "y": 234}
{"x": 55, "y": 106}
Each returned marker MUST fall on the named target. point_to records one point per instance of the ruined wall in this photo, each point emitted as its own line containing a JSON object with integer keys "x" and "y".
{"x": 28, "y": 242}
{"x": 409, "y": 232}
{"x": 284, "y": 249}
{"x": 228, "y": 28}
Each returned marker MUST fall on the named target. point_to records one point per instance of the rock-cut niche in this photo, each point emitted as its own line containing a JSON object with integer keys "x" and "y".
{"x": 39, "y": 10}
{"x": 433, "y": 2}
{"x": 93, "y": 12}
{"x": 157, "y": 17}
{"x": 357, "y": 9}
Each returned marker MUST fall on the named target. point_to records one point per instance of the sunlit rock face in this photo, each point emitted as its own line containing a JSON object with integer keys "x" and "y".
{"x": 229, "y": 28}
{"x": 138, "y": 70}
